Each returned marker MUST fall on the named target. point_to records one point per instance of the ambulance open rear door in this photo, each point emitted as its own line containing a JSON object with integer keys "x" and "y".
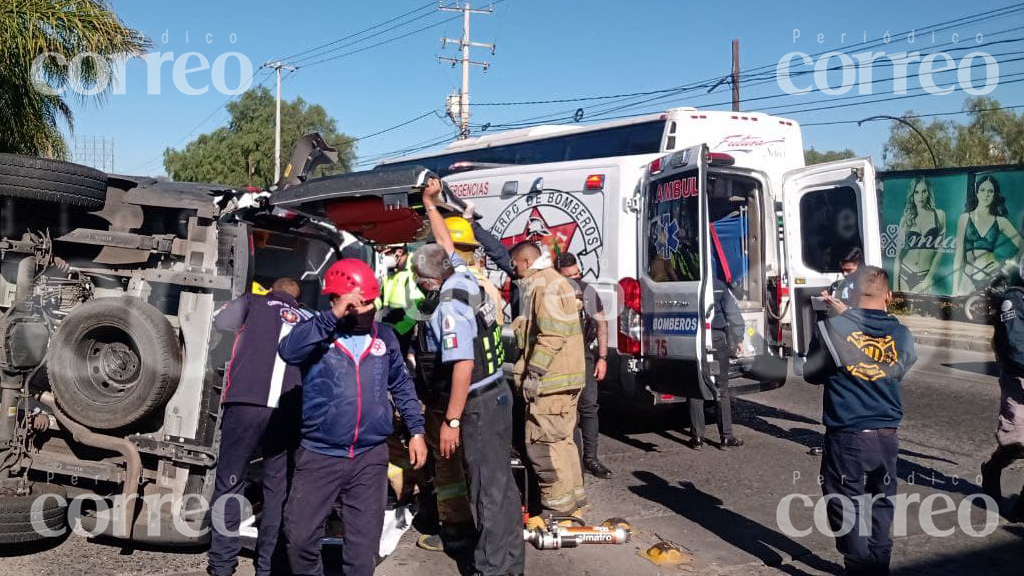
{"x": 829, "y": 209}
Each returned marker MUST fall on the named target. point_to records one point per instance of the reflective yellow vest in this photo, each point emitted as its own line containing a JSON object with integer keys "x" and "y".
{"x": 399, "y": 291}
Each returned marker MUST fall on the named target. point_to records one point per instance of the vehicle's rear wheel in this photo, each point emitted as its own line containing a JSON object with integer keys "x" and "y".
{"x": 20, "y": 524}
{"x": 114, "y": 361}
{"x": 35, "y": 178}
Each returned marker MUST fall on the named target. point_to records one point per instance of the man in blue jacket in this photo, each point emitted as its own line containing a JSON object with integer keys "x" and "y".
{"x": 861, "y": 356}
{"x": 350, "y": 364}
{"x": 260, "y": 412}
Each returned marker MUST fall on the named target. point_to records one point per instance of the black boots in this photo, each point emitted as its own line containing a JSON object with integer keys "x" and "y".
{"x": 730, "y": 442}
{"x": 595, "y": 468}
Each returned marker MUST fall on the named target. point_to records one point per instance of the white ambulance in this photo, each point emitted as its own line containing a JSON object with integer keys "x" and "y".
{"x": 726, "y": 195}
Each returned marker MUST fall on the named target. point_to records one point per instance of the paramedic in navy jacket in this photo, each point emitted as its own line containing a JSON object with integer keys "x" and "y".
{"x": 349, "y": 365}
{"x": 861, "y": 356}
{"x": 261, "y": 410}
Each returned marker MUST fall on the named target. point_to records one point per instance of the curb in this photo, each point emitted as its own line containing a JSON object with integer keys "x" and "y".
{"x": 960, "y": 342}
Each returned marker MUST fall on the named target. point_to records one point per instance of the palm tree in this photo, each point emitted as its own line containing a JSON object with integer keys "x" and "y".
{"x": 30, "y": 117}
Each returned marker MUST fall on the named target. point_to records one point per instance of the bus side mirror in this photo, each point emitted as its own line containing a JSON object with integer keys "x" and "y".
{"x": 538, "y": 184}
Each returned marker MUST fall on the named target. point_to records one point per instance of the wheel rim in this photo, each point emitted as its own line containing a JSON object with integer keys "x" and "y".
{"x": 111, "y": 365}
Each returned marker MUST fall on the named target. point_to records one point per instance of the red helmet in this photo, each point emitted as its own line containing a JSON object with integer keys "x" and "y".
{"x": 348, "y": 274}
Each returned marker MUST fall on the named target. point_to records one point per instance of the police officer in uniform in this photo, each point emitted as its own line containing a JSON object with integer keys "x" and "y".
{"x": 726, "y": 337}
{"x": 461, "y": 351}
{"x": 1008, "y": 342}
{"x": 449, "y": 479}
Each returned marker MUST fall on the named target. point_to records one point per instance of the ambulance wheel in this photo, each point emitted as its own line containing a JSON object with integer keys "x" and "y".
{"x": 113, "y": 362}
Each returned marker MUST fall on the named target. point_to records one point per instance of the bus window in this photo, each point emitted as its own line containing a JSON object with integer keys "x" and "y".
{"x": 538, "y": 152}
{"x": 599, "y": 144}
{"x": 642, "y": 138}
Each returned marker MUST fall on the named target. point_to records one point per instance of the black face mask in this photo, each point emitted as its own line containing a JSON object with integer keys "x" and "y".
{"x": 357, "y": 323}
{"x": 431, "y": 299}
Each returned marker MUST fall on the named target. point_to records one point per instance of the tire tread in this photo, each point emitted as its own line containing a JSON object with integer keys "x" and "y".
{"x": 48, "y": 180}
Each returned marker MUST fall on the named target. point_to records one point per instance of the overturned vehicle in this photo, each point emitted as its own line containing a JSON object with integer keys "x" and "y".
{"x": 111, "y": 372}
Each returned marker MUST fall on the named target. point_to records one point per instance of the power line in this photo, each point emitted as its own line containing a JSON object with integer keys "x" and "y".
{"x": 932, "y": 28}
{"x": 888, "y": 99}
{"x": 751, "y": 73}
{"x": 834, "y": 99}
{"x": 748, "y": 74}
{"x": 382, "y": 43}
{"x": 835, "y": 107}
{"x": 565, "y": 116}
{"x": 340, "y": 47}
{"x": 354, "y": 34}
{"x": 397, "y": 126}
{"x": 423, "y": 145}
{"x": 220, "y": 108}
{"x": 911, "y": 116}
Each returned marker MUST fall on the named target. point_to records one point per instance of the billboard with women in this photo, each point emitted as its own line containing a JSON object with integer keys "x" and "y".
{"x": 951, "y": 232}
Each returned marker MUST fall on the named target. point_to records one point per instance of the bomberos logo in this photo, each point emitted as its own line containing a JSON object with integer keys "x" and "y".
{"x": 559, "y": 221}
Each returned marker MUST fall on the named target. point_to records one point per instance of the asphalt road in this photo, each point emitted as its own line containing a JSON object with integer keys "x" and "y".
{"x": 721, "y": 506}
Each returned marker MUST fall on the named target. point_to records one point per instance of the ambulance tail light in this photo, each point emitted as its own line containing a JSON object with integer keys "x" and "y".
{"x": 594, "y": 182}
{"x": 629, "y": 320}
{"x": 655, "y": 166}
{"x": 720, "y": 159}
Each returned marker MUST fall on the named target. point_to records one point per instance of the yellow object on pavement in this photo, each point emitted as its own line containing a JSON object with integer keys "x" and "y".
{"x": 258, "y": 289}
{"x": 541, "y": 522}
{"x": 617, "y": 522}
{"x": 666, "y": 554}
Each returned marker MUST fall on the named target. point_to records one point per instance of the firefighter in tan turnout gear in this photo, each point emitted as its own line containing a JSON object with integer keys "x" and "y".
{"x": 550, "y": 375}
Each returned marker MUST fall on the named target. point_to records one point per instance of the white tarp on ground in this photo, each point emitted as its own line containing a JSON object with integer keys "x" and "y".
{"x": 396, "y": 522}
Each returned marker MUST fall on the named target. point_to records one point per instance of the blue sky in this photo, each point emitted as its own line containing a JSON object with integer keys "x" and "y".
{"x": 545, "y": 50}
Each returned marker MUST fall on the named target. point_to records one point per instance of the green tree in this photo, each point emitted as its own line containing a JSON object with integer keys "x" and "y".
{"x": 812, "y": 156}
{"x": 242, "y": 153}
{"x": 30, "y": 117}
{"x": 990, "y": 136}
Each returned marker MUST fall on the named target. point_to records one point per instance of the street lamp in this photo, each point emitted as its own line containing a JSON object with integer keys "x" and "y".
{"x": 908, "y": 124}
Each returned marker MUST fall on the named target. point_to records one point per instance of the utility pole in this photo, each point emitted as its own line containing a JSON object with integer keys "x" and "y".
{"x": 735, "y": 75}
{"x": 278, "y": 66}
{"x": 465, "y": 44}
